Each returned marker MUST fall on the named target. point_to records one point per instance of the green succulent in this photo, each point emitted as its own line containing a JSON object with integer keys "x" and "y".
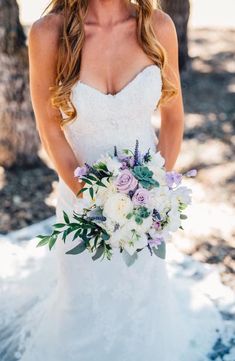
{"x": 145, "y": 176}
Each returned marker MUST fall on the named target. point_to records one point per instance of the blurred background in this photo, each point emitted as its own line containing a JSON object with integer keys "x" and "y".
{"x": 206, "y": 33}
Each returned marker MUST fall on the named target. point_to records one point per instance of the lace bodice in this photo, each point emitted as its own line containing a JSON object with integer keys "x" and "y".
{"x": 105, "y": 120}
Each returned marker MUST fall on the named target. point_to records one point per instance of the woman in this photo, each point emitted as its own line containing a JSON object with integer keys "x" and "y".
{"x": 98, "y": 70}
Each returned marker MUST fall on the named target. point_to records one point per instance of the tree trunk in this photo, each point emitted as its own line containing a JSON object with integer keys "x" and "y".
{"x": 19, "y": 140}
{"x": 179, "y": 11}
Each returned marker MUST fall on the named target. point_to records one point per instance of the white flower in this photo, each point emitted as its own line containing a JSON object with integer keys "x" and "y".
{"x": 120, "y": 237}
{"x": 141, "y": 242}
{"x": 174, "y": 221}
{"x": 103, "y": 193}
{"x": 112, "y": 164}
{"x": 182, "y": 195}
{"x": 160, "y": 200}
{"x": 117, "y": 206}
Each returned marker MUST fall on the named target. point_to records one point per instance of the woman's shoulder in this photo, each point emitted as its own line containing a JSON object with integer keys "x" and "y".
{"x": 164, "y": 28}
{"x": 47, "y": 30}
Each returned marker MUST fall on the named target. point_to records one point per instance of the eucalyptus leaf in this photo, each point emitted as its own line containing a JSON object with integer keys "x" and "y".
{"x": 183, "y": 216}
{"x": 129, "y": 259}
{"x": 78, "y": 249}
{"x": 160, "y": 251}
{"x": 99, "y": 252}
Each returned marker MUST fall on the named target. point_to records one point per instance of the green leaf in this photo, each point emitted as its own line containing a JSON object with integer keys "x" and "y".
{"x": 99, "y": 183}
{"x": 52, "y": 241}
{"x": 59, "y": 225}
{"x": 66, "y": 217}
{"x": 43, "y": 241}
{"x": 82, "y": 190}
{"x": 105, "y": 236}
{"x": 76, "y": 234}
{"x": 129, "y": 215}
{"x": 160, "y": 251}
{"x": 129, "y": 259}
{"x": 78, "y": 249}
{"x": 92, "y": 177}
{"x": 183, "y": 216}
{"x": 86, "y": 180}
{"x": 91, "y": 191}
{"x": 99, "y": 252}
{"x": 66, "y": 233}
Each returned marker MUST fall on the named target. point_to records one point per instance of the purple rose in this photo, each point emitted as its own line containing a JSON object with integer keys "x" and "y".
{"x": 140, "y": 197}
{"x": 126, "y": 181}
{"x": 80, "y": 171}
{"x": 173, "y": 178}
{"x": 156, "y": 241}
{"x": 191, "y": 173}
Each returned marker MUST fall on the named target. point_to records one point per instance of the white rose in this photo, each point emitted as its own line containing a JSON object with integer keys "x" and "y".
{"x": 116, "y": 207}
{"x": 120, "y": 237}
{"x": 103, "y": 193}
{"x": 160, "y": 199}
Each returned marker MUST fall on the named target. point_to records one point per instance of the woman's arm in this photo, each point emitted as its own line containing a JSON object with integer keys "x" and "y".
{"x": 172, "y": 113}
{"x": 43, "y": 51}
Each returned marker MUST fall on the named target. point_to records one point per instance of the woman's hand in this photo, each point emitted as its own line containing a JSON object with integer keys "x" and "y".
{"x": 44, "y": 37}
{"x": 172, "y": 113}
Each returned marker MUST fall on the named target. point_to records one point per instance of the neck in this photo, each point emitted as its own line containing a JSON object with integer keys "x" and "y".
{"x": 108, "y": 12}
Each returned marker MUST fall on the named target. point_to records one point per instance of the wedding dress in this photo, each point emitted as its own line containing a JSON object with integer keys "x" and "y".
{"x": 104, "y": 310}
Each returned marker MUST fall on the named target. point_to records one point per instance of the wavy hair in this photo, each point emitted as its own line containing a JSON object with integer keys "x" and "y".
{"x": 72, "y": 40}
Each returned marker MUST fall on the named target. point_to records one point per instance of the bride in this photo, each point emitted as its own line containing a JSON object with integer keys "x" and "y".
{"x": 98, "y": 70}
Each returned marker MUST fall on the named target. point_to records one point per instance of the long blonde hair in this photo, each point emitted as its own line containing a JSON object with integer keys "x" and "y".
{"x": 72, "y": 39}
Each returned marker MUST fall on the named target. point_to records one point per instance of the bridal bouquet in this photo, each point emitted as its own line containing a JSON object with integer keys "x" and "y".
{"x": 130, "y": 202}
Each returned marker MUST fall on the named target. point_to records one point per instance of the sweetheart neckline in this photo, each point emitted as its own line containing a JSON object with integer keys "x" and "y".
{"x": 131, "y": 82}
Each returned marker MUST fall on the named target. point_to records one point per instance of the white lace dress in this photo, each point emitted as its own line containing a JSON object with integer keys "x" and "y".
{"x": 102, "y": 310}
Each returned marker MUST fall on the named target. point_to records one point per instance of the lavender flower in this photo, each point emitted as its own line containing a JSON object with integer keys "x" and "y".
{"x": 141, "y": 197}
{"x": 173, "y": 178}
{"x": 147, "y": 156}
{"x": 126, "y": 181}
{"x": 156, "y": 241}
{"x": 191, "y": 173}
{"x": 136, "y": 154}
{"x": 80, "y": 171}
